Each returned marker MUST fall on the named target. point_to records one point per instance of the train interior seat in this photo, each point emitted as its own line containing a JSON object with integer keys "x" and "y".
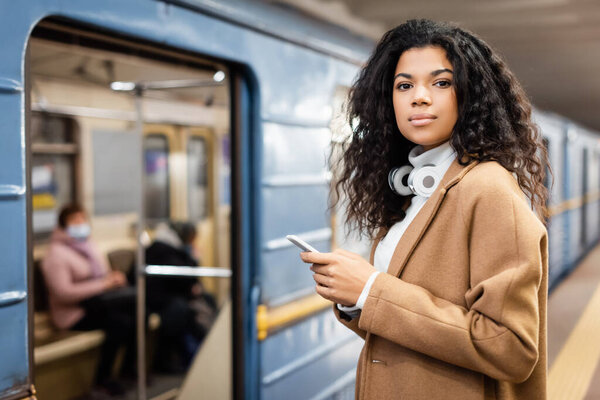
{"x": 122, "y": 260}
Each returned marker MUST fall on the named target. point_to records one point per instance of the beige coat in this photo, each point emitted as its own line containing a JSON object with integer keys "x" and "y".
{"x": 461, "y": 313}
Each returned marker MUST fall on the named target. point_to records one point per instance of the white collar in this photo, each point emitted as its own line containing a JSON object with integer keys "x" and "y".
{"x": 436, "y": 156}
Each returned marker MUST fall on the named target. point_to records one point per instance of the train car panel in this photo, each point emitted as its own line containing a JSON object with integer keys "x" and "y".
{"x": 288, "y": 212}
{"x": 589, "y": 198}
{"x": 301, "y": 30}
{"x": 286, "y": 277}
{"x": 14, "y": 345}
{"x": 553, "y": 131}
{"x": 314, "y": 380}
{"x": 290, "y": 151}
{"x": 574, "y": 190}
{"x": 326, "y": 351}
{"x": 281, "y": 348}
{"x": 298, "y": 97}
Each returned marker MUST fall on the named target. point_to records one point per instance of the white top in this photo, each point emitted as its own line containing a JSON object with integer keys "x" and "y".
{"x": 441, "y": 157}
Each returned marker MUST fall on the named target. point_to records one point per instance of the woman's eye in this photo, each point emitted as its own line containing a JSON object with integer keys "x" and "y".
{"x": 404, "y": 86}
{"x": 443, "y": 84}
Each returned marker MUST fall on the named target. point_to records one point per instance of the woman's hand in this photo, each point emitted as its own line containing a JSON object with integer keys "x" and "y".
{"x": 340, "y": 276}
{"x": 114, "y": 279}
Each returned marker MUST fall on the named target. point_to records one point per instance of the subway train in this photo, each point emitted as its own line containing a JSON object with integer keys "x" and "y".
{"x": 218, "y": 113}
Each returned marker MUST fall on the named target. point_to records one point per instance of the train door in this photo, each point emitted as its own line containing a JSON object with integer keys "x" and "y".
{"x": 147, "y": 144}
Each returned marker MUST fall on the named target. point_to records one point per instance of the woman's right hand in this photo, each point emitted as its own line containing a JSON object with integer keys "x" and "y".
{"x": 114, "y": 279}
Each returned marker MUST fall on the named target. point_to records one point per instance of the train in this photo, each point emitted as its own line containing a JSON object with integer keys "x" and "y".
{"x": 219, "y": 113}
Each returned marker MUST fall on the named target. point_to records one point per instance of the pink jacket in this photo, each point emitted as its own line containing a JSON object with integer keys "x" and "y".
{"x": 68, "y": 277}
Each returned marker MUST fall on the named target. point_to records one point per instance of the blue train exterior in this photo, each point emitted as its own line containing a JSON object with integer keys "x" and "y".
{"x": 289, "y": 69}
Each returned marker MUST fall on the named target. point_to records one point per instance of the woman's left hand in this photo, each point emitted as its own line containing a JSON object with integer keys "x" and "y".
{"x": 340, "y": 276}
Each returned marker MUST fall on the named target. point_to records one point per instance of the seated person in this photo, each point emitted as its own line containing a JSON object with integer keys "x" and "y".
{"x": 84, "y": 294}
{"x": 186, "y": 311}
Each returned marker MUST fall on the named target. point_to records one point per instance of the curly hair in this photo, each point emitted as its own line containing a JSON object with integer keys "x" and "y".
{"x": 494, "y": 123}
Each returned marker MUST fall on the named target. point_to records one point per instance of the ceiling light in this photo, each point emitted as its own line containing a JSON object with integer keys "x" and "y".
{"x": 122, "y": 86}
{"x": 219, "y": 76}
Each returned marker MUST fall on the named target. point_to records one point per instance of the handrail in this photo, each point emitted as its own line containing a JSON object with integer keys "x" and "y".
{"x": 12, "y": 191}
{"x": 13, "y": 297}
{"x": 186, "y": 271}
{"x": 270, "y": 320}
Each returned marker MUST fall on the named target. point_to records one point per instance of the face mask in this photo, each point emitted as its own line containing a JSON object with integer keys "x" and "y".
{"x": 79, "y": 231}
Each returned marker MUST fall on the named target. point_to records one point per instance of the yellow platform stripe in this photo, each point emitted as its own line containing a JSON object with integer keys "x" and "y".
{"x": 271, "y": 319}
{"x": 573, "y": 369}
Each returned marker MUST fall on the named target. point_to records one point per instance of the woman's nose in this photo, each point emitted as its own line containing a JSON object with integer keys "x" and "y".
{"x": 422, "y": 96}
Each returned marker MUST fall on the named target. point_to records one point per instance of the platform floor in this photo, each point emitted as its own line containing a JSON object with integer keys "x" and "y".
{"x": 574, "y": 333}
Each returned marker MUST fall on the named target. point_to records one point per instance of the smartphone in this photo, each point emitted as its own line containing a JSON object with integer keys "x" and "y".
{"x": 301, "y": 243}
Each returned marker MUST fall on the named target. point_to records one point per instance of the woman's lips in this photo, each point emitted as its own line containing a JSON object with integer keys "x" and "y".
{"x": 421, "y": 119}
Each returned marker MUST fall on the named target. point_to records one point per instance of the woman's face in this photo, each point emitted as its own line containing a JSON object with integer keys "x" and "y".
{"x": 77, "y": 218}
{"x": 424, "y": 97}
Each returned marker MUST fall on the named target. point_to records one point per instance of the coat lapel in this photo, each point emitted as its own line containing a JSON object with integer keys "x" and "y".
{"x": 422, "y": 220}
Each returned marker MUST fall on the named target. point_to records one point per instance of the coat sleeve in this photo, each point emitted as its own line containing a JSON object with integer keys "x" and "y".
{"x": 497, "y": 332}
{"x": 61, "y": 285}
{"x": 350, "y": 323}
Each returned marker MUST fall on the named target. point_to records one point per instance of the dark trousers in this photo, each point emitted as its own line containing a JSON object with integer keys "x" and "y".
{"x": 181, "y": 330}
{"x": 114, "y": 313}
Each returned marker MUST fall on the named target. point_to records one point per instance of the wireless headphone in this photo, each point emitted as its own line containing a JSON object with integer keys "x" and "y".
{"x": 421, "y": 181}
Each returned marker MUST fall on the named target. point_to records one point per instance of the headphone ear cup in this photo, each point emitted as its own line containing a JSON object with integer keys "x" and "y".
{"x": 424, "y": 180}
{"x": 395, "y": 178}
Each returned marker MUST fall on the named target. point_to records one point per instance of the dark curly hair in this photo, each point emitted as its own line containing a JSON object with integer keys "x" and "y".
{"x": 494, "y": 123}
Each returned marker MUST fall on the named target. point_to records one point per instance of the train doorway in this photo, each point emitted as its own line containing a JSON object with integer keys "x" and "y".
{"x": 140, "y": 137}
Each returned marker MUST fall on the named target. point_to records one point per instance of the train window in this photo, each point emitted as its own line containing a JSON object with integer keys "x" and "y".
{"x": 546, "y": 143}
{"x": 54, "y": 153}
{"x": 197, "y": 169}
{"x": 156, "y": 153}
{"x": 584, "y": 192}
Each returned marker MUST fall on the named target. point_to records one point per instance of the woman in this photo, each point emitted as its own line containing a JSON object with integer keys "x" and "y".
{"x": 84, "y": 294}
{"x": 452, "y": 304}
